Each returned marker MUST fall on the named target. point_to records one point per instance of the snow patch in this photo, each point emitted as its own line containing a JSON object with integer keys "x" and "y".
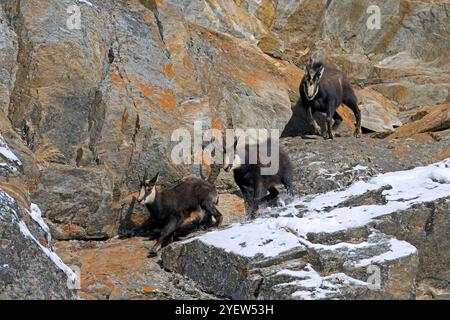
{"x": 86, "y": 2}
{"x": 315, "y": 286}
{"x": 7, "y": 200}
{"x": 271, "y": 236}
{"x": 8, "y": 155}
{"x": 360, "y": 168}
{"x": 36, "y": 215}
{"x": 262, "y": 237}
{"x": 398, "y": 249}
{"x": 422, "y": 184}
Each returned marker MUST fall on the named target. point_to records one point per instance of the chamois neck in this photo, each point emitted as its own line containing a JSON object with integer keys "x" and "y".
{"x": 155, "y": 208}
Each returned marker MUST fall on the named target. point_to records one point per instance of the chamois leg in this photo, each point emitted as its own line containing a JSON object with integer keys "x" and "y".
{"x": 247, "y": 198}
{"x": 287, "y": 183}
{"x": 259, "y": 192}
{"x": 250, "y": 201}
{"x": 240, "y": 184}
{"x": 168, "y": 239}
{"x": 312, "y": 121}
{"x": 211, "y": 209}
{"x": 254, "y": 207}
{"x": 207, "y": 221}
{"x": 351, "y": 101}
{"x": 167, "y": 231}
{"x": 337, "y": 122}
{"x": 329, "y": 121}
{"x": 273, "y": 193}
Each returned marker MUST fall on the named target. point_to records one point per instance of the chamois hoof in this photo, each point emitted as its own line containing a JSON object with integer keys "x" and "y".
{"x": 335, "y": 134}
{"x": 357, "y": 134}
{"x": 252, "y": 216}
{"x": 152, "y": 253}
{"x": 317, "y": 131}
{"x": 206, "y": 227}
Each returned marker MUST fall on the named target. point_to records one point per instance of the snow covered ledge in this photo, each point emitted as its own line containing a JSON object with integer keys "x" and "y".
{"x": 324, "y": 235}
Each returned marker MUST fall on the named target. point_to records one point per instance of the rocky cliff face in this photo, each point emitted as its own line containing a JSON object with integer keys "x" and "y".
{"x": 84, "y": 108}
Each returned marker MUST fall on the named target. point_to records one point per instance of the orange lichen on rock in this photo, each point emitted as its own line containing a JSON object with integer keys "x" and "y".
{"x": 70, "y": 228}
{"x": 117, "y": 79}
{"x": 166, "y": 100}
{"x": 231, "y": 206}
{"x": 225, "y": 46}
{"x": 168, "y": 71}
{"x": 147, "y": 290}
{"x": 216, "y": 122}
{"x": 148, "y": 92}
{"x": 152, "y": 106}
{"x": 105, "y": 266}
{"x": 16, "y": 190}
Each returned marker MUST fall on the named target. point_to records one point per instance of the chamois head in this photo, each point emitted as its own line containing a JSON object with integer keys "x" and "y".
{"x": 147, "y": 194}
{"x": 313, "y": 73}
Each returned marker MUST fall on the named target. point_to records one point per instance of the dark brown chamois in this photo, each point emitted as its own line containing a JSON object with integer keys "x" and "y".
{"x": 254, "y": 185}
{"x": 192, "y": 199}
{"x": 324, "y": 88}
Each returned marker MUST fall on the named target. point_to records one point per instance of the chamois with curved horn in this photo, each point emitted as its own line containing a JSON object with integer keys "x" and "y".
{"x": 324, "y": 88}
{"x": 192, "y": 199}
{"x": 255, "y": 186}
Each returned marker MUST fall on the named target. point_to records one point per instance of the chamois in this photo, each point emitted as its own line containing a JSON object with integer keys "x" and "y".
{"x": 192, "y": 199}
{"x": 324, "y": 88}
{"x": 248, "y": 176}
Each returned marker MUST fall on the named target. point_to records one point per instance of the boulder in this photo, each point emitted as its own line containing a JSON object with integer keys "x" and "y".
{"x": 322, "y": 166}
{"x": 77, "y": 202}
{"x": 121, "y": 270}
{"x": 379, "y": 114}
{"x": 29, "y": 269}
{"x": 428, "y": 119}
{"x": 410, "y": 95}
{"x": 425, "y": 226}
{"x": 337, "y": 245}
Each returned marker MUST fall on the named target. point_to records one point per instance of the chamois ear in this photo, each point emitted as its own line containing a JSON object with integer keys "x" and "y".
{"x": 308, "y": 67}
{"x": 319, "y": 73}
{"x": 155, "y": 179}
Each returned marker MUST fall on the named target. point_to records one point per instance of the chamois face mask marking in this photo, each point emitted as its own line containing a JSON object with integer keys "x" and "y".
{"x": 147, "y": 193}
{"x": 312, "y": 82}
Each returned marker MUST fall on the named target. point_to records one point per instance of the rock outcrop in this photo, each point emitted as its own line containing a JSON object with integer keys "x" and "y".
{"x": 29, "y": 268}
{"x": 331, "y": 245}
{"x": 137, "y": 72}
